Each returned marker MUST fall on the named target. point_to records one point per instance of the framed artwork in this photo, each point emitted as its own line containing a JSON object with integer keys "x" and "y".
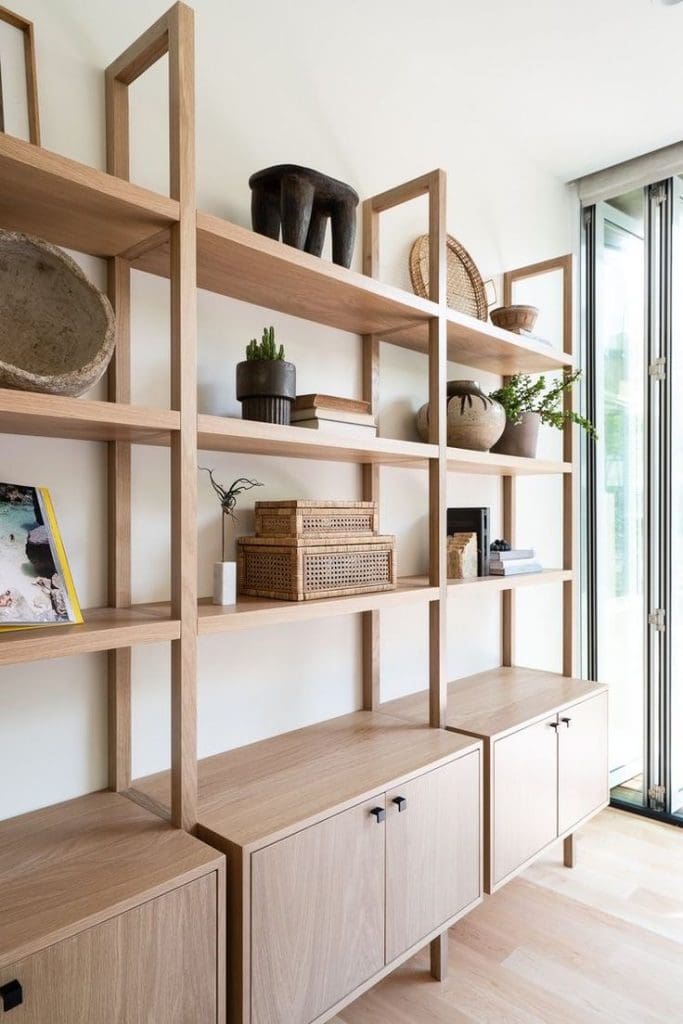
{"x": 31, "y": 77}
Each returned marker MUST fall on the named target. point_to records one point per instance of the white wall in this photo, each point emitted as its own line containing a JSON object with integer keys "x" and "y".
{"x": 337, "y": 93}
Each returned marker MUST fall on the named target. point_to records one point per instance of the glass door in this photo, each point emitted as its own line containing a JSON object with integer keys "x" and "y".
{"x": 633, "y": 355}
{"x": 616, "y": 384}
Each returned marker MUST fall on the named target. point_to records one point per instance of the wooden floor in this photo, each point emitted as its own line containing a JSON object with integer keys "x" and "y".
{"x": 603, "y": 942}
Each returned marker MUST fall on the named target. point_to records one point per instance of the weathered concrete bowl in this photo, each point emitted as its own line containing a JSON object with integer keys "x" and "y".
{"x": 57, "y": 330}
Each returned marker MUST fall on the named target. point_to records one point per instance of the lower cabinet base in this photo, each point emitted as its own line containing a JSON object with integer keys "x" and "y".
{"x": 440, "y": 937}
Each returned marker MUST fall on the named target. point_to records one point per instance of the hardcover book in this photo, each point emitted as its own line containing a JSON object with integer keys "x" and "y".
{"x": 330, "y": 402}
{"x": 36, "y": 587}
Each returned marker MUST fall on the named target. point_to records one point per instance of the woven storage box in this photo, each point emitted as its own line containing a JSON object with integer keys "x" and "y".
{"x": 324, "y": 520}
{"x": 293, "y": 569}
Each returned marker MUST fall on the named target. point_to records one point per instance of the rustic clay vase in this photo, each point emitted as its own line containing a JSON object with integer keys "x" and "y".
{"x": 520, "y": 438}
{"x": 473, "y": 420}
{"x": 57, "y": 330}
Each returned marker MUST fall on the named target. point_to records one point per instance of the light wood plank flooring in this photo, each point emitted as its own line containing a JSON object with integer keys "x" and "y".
{"x": 603, "y": 942}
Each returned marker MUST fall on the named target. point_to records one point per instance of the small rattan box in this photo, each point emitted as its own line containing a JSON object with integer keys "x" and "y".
{"x": 323, "y": 520}
{"x": 302, "y": 569}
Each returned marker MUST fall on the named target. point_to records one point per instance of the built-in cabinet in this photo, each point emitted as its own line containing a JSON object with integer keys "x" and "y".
{"x": 109, "y": 916}
{"x": 544, "y": 757}
{"x": 350, "y": 845}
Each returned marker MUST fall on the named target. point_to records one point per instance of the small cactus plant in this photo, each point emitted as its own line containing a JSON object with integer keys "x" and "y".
{"x": 265, "y": 349}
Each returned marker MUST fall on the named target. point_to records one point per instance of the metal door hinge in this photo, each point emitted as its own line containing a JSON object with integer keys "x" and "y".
{"x": 657, "y": 618}
{"x": 657, "y": 369}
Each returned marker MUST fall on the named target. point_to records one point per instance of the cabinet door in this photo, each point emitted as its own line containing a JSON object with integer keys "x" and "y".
{"x": 524, "y": 796}
{"x": 154, "y": 963}
{"x": 317, "y": 916}
{"x": 433, "y": 851}
{"x": 583, "y": 781}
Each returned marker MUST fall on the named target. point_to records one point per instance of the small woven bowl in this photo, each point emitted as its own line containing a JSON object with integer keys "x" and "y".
{"x": 515, "y": 318}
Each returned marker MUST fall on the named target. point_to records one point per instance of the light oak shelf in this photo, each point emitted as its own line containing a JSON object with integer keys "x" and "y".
{"x": 250, "y": 612}
{"x": 84, "y": 420}
{"x": 236, "y": 262}
{"x": 104, "y": 629}
{"x": 259, "y": 793}
{"x": 73, "y": 865}
{"x": 495, "y": 703}
{"x": 462, "y": 460}
{"x": 217, "y": 433}
{"x": 70, "y": 204}
{"x": 494, "y": 584}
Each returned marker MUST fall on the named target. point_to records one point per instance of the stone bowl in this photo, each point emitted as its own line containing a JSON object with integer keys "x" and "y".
{"x": 515, "y": 318}
{"x": 57, "y": 330}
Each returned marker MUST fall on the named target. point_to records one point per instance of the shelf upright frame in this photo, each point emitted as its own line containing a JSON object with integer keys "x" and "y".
{"x": 172, "y": 35}
{"x": 563, "y": 265}
{"x": 433, "y": 185}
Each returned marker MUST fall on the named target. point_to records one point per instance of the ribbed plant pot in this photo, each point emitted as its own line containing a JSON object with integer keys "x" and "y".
{"x": 520, "y": 438}
{"x": 266, "y": 388}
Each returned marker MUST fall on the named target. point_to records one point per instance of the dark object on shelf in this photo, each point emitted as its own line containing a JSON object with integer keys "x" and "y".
{"x": 517, "y": 319}
{"x": 266, "y": 382}
{"x": 472, "y": 520}
{"x": 300, "y": 200}
{"x": 520, "y": 438}
{"x": 11, "y": 995}
{"x": 57, "y": 330}
{"x": 501, "y": 545}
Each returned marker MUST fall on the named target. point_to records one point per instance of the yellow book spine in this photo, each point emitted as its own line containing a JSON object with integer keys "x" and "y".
{"x": 61, "y": 553}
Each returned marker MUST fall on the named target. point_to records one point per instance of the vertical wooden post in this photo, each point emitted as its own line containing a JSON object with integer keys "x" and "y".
{"x": 119, "y": 459}
{"x": 565, "y": 266}
{"x": 173, "y": 33}
{"x": 438, "y": 468}
{"x": 184, "y": 399}
{"x": 30, "y": 71}
{"x": 370, "y": 471}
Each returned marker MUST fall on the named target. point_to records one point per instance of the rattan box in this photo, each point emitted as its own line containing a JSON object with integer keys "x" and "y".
{"x": 296, "y": 569}
{"x": 329, "y": 520}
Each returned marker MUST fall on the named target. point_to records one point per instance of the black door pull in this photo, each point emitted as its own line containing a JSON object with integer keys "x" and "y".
{"x": 380, "y": 814}
{"x": 567, "y": 721}
{"x": 11, "y": 995}
{"x": 401, "y": 803}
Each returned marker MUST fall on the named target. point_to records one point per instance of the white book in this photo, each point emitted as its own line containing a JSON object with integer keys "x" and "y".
{"x": 509, "y": 556}
{"x": 333, "y": 415}
{"x": 332, "y": 428}
{"x": 515, "y": 570}
{"x": 513, "y": 563}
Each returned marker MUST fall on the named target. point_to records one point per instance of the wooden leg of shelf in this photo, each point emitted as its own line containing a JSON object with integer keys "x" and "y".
{"x": 569, "y": 851}
{"x": 438, "y": 956}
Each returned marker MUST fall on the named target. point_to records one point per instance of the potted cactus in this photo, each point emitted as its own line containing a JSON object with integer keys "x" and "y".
{"x": 266, "y": 383}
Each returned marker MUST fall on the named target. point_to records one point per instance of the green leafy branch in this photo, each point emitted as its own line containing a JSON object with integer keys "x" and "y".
{"x": 521, "y": 394}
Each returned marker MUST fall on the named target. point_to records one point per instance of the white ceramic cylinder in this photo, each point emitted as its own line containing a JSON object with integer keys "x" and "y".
{"x": 224, "y": 583}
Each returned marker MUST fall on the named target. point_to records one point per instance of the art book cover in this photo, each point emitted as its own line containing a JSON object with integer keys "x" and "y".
{"x": 36, "y": 588}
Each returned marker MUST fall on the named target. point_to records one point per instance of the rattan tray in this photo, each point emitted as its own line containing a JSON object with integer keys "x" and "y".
{"x": 327, "y": 520}
{"x": 292, "y": 569}
{"x": 465, "y": 289}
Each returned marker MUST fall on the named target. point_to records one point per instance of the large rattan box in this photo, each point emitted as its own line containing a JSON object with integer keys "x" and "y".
{"x": 328, "y": 520}
{"x": 295, "y": 569}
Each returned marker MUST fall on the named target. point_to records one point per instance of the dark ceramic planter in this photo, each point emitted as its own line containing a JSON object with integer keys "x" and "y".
{"x": 520, "y": 438}
{"x": 266, "y": 388}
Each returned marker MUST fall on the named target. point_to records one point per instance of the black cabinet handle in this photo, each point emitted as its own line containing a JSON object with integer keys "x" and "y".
{"x": 567, "y": 721}
{"x": 11, "y": 995}
{"x": 379, "y": 813}
{"x": 554, "y": 725}
{"x": 401, "y": 803}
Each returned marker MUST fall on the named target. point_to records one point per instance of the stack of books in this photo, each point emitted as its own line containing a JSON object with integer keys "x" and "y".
{"x": 333, "y": 415}
{"x": 514, "y": 562}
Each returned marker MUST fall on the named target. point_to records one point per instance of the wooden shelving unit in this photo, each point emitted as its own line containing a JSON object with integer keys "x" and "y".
{"x": 269, "y": 791}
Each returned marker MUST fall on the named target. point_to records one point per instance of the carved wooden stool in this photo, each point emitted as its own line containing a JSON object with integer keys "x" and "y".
{"x": 301, "y": 200}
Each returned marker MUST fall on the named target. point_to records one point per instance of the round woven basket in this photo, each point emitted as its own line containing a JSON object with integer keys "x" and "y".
{"x": 464, "y": 289}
